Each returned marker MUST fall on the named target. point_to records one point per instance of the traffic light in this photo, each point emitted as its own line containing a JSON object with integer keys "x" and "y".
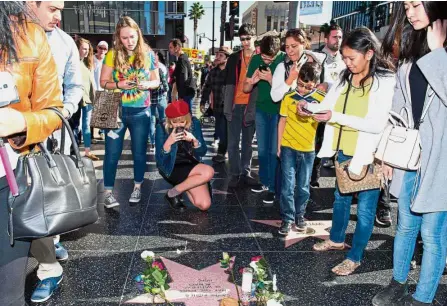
{"x": 234, "y": 8}
{"x": 228, "y": 36}
{"x": 235, "y": 26}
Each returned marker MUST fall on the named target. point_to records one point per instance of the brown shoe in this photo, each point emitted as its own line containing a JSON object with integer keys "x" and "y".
{"x": 346, "y": 267}
{"x": 328, "y": 245}
{"x": 92, "y": 156}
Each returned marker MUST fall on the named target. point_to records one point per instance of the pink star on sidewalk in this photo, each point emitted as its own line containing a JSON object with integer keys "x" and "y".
{"x": 314, "y": 229}
{"x": 194, "y": 287}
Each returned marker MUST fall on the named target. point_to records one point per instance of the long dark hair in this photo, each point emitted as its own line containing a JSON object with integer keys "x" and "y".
{"x": 412, "y": 43}
{"x": 13, "y": 17}
{"x": 362, "y": 40}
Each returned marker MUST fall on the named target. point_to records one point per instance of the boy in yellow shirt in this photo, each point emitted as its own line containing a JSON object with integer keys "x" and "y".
{"x": 296, "y": 143}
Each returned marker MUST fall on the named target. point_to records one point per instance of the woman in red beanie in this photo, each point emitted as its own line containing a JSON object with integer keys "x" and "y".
{"x": 179, "y": 147}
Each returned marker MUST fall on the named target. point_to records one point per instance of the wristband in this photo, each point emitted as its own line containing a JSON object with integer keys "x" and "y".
{"x": 117, "y": 87}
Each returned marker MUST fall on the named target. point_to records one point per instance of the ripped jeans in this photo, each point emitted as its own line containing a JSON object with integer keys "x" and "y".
{"x": 137, "y": 120}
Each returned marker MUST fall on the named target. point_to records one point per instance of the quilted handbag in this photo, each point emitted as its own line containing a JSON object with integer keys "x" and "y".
{"x": 57, "y": 193}
{"x": 105, "y": 110}
{"x": 347, "y": 182}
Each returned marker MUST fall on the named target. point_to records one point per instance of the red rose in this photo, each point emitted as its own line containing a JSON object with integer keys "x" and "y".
{"x": 256, "y": 258}
{"x": 157, "y": 264}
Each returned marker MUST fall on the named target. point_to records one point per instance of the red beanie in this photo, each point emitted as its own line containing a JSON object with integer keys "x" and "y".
{"x": 177, "y": 109}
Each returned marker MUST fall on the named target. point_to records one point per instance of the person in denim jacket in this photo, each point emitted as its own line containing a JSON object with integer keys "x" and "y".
{"x": 179, "y": 147}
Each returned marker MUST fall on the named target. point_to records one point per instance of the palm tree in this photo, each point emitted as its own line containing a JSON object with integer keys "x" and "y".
{"x": 196, "y": 12}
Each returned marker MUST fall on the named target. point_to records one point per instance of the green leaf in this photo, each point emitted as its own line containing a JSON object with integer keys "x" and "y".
{"x": 155, "y": 290}
{"x": 157, "y": 275}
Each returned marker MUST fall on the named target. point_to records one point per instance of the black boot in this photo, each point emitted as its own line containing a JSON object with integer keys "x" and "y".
{"x": 175, "y": 203}
{"x": 391, "y": 294}
{"x": 410, "y": 301}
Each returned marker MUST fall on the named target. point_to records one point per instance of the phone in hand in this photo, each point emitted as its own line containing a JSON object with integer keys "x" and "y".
{"x": 179, "y": 129}
{"x": 132, "y": 83}
{"x": 263, "y": 67}
{"x": 305, "y": 110}
{"x": 302, "y": 60}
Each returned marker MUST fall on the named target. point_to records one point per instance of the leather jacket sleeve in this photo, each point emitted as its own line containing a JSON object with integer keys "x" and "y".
{"x": 37, "y": 92}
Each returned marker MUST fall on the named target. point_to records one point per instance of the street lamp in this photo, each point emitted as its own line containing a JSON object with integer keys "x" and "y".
{"x": 202, "y": 35}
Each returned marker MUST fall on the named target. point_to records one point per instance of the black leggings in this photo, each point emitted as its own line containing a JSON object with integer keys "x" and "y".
{"x": 13, "y": 260}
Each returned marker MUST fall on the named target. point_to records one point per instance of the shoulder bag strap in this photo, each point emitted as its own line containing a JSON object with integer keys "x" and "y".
{"x": 344, "y": 110}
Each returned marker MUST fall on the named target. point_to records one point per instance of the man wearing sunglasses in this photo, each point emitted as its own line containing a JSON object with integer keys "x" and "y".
{"x": 240, "y": 109}
{"x": 259, "y": 83}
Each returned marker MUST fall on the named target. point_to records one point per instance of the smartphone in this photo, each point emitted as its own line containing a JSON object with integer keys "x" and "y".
{"x": 179, "y": 129}
{"x": 302, "y": 60}
{"x": 305, "y": 110}
{"x": 263, "y": 67}
{"x": 132, "y": 83}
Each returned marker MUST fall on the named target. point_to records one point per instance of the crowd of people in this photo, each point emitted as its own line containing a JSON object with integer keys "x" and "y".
{"x": 304, "y": 107}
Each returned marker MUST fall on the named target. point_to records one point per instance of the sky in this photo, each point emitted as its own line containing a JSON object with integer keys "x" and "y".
{"x": 205, "y": 24}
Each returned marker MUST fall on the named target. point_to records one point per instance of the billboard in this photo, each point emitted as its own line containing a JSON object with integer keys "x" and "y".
{"x": 311, "y": 7}
{"x": 195, "y": 56}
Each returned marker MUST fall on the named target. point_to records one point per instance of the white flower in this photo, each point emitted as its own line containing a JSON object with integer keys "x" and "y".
{"x": 225, "y": 256}
{"x": 273, "y": 303}
{"x": 254, "y": 266}
{"x": 274, "y": 283}
{"x": 147, "y": 254}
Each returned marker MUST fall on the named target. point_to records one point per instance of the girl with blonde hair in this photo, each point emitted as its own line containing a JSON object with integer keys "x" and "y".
{"x": 179, "y": 147}
{"x": 129, "y": 68}
{"x": 86, "y": 55}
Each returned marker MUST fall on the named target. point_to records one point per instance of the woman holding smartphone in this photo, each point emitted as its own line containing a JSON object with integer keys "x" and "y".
{"x": 356, "y": 109}
{"x": 422, "y": 91}
{"x": 130, "y": 68}
{"x": 179, "y": 147}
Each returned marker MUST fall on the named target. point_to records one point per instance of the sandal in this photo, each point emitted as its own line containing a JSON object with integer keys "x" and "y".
{"x": 346, "y": 267}
{"x": 327, "y": 245}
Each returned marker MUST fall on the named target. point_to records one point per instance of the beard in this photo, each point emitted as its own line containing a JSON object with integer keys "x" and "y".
{"x": 334, "y": 47}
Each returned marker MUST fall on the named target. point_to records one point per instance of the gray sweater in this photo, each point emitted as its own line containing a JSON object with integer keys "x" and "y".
{"x": 432, "y": 194}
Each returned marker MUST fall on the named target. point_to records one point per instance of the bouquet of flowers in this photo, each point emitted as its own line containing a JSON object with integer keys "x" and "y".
{"x": 153, "y": 280}
{"x": 265, "y": 290}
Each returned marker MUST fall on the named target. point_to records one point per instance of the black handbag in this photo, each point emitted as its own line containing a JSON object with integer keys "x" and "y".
{"x": 57, "y": 193}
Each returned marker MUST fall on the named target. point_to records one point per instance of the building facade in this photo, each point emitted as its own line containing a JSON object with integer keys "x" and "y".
{"x": 267, "y": 16}
{"x": 96, "y": 20}
{"x": 374, "y": 15}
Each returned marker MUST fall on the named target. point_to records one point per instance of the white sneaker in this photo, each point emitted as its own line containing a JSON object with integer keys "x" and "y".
{"x": 135, "y": 197}
{"x": 110, "y": 201}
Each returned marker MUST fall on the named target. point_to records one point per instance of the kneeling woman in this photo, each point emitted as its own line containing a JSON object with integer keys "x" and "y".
{"x": 179, "y": 146}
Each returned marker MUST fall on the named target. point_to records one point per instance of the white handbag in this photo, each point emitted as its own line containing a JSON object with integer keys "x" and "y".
{"x": 400, "y": 145}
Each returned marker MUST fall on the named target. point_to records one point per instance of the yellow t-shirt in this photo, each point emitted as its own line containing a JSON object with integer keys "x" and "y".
{"x": 299, "y": 132}
{"x": 357, "y": 105}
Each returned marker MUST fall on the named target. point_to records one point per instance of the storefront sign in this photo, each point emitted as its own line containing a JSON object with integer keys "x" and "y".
{"x": 195, "y": 56}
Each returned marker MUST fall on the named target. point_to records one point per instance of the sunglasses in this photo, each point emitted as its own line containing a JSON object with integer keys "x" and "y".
{"x": 247, "y": 38}
{"x": 102, "y": 48}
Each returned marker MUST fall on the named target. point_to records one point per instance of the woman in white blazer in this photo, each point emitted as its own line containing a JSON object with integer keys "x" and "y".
{"x": 369, "y": 82}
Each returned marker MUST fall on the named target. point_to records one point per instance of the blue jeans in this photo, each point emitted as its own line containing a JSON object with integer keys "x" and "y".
{"x": 267, "y": 136}
{"x": 189, "y": 100}
{"x": 157, "y": 111}
{"x": 296, "y": 169}
{"x": 366, "y": 212}
{"x": 137, "y": 120}
{"x": 221, "y": 132}
{"x": 433, "y": 228}
{"x": 86, "y": 119}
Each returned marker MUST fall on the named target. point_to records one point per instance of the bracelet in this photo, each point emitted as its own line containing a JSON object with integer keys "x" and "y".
{"x": 199, "y": 144}
{"x": 117, "y": 87}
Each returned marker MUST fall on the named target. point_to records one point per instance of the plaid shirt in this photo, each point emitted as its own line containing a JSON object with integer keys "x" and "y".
{"x": 215, "y": 83}
{"x": 160, "y": 93}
